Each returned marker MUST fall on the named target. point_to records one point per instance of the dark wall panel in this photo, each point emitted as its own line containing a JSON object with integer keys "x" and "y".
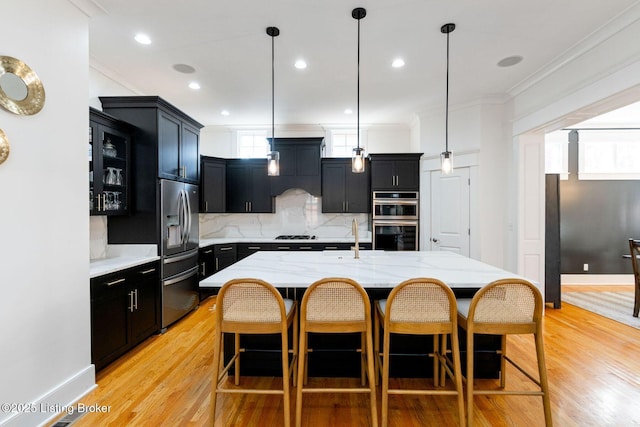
{"x": 597, "y": 218}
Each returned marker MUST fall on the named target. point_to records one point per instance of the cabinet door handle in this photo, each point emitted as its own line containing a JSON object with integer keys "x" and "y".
{"x": 206, "y": 206}
{"x": 250, "y": 207}
{"x": 227, "y": 248}
{"x": 203, "y": 265}
{"x": 98, "y": 204}
{"x": 283, "y": 248}
{"x": 347, "y": 206}
{"x": 131, "y": 301}
{"x": 330, "y": 247}
{"x": 257, "y": 248}
{"x": 151, "y": 270}
{"x": 305, "y": 247}
{"x": 217, "y": 264}
{"x": 208, "y": 251}
{"x": 136, "y": 299}
{"x": 185, "y": 172}
{"x": 115, "y": 282}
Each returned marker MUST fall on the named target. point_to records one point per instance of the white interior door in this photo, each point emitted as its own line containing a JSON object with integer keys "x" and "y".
{"x": 450, "y": 211}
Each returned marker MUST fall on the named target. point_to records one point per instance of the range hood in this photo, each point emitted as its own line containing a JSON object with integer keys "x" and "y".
{"x": 300, "y": 165}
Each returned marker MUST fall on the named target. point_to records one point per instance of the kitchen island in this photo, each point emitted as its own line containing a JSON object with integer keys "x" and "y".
{"x": 378, "y": 272}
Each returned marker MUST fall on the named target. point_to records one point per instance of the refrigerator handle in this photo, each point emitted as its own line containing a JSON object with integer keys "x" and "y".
{"x": 186, "y": 198}
{"x": 185, "y": 217}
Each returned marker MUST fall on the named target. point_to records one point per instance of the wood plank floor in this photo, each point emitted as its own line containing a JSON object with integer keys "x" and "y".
{"x": 592, "y": 363}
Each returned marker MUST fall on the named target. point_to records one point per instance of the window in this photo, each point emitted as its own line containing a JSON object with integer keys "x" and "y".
{"x": 343, "y": 141}
{"x": 252, "y": 143}
{"x": 609, "y": 154}
{"x": 556, "y": 153}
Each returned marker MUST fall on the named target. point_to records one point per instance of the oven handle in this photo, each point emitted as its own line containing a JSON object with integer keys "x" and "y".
{"x": 394, "y": 202}
{"x": 394, "y": 222}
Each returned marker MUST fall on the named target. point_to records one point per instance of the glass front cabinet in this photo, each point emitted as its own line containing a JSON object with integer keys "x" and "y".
{"x": 108, "y": 154}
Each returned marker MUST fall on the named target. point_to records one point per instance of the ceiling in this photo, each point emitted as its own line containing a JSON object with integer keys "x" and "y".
{"x": 226, "y": 43}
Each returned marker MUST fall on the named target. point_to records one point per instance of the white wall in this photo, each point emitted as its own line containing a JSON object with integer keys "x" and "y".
{"x": 45, "y": 353}
{"x": 220, "y": 141}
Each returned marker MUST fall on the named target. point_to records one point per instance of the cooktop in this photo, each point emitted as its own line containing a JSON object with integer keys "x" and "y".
{"x": 295, "y": 237}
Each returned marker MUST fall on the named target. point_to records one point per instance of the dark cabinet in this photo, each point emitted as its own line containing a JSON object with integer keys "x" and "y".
{"x": 125, "y": 310}
{"x": 109, "y": 153}
{"x": 299, "y": 164}
{"x": 395, "y": 171}
{"x": 248, "y": 186}
{"x": 212, "y": 259}
{"x": 167, "y": 140}
{"x": 243, "y": 250}
{"x": 342, "y": 190}
{"x": 213, "y": 182}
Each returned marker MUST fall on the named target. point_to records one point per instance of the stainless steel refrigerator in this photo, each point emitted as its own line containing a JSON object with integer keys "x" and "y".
{"x": 178, "y": 249}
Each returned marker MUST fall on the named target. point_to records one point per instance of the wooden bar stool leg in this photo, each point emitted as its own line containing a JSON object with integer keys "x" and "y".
{"x": 302, "y": 362}
{"x": 503, "y": 361}
{"x": 470, "y": 352}
{"x": 457, "y": 372}
{"x": 370, "y": 374}
{"x": 285, "y": 379}
{"x": 363, "y": 360}
{"x": 443, "y": 353}
{"x": 237, "y": 363}
{"x": 217, "y": 349}
{"x": 544, "y": 383}
{"x": 436, "y": 362}
{"x": 385, "y": 378}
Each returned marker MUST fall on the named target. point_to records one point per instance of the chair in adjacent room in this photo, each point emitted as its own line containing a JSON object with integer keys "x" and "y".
{"x": 634, "y": 249}
{"x": 505, "y": 307}
{"x": 421, "y": 306}
{"x": 336, "y": 305}
{"x": 253, "y": 306}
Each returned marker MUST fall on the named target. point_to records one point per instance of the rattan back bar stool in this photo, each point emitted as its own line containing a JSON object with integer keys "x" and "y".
{"x": 336, "y": 305}
{"x": 634, "y": 249}
{"x": 253, "y": 306}
{"x": 420, "y": 306}
{"x": 504, "y": 307}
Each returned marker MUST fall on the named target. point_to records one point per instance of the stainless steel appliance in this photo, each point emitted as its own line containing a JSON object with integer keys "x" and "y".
{"x": 396, "y": 221}
{"x": 179, "y": 249}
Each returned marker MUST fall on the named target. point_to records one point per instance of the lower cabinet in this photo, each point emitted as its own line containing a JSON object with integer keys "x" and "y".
{"x": 212, "y": 259}
{"x": 125, "y": 310}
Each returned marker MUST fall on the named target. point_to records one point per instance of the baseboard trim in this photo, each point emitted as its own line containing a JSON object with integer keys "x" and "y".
{"x": 596, "y": 279}
{"x": 61, "y": 399}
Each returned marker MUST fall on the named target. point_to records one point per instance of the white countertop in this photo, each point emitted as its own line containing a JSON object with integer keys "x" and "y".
{"x": 374, "y": 269}
{"x": 104, "y": 266}
{"x": 225, "y": 240}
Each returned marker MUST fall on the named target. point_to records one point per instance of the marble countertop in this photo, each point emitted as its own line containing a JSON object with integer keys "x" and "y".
{"x": 374, "y": 269}
{"x": 224, "y": 240}
{"x": 100, "y": 267}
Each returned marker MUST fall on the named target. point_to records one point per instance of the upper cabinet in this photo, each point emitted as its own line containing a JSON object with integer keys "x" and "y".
{"x": 299, "y": 164}
{"x": 395, "y": 171}
{"x": 109, "y": 148}
{"x": 213, "y": 182}
{"x": 248, "y": 186}
{"x": 342, "y": 190}
{"x": 168, "y": 139}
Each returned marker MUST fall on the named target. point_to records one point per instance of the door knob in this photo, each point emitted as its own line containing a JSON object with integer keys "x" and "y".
{"x": 434, "y": 240}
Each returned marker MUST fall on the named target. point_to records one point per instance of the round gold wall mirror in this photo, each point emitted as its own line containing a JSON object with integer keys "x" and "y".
{"x": 4, "y": 146}
{"x": 21, "y": 91}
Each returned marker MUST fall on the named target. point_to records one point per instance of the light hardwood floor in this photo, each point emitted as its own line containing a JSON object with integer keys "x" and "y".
{"x": 592, "y": 363}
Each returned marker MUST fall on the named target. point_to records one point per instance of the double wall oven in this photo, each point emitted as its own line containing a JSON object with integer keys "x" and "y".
{"x": 396, "y": 220}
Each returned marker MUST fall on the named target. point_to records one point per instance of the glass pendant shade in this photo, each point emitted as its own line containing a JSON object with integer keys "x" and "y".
{"x": 358, "y": 160}
{"x": 446, "y": 162}
{"x": 273, "y": 163}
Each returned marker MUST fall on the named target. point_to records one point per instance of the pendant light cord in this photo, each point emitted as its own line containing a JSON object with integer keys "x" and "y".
{"x": 446, "y": 119}
{"x": 358, "y": 94}
{"x": 273, "y": 80}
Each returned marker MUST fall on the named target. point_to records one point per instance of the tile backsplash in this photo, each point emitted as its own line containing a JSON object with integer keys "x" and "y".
{"x": 296, "y": 212}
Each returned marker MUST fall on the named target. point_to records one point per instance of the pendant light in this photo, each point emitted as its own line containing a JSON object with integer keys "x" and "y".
{"x": 446, "y": 159}
{"x": 358, "y": 158}
{"x": 273, "y": 157}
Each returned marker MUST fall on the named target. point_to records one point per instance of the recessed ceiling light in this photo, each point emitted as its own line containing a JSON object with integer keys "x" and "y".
{"x": 142, "y": 38}
{"x": 224, "y": 112}
{"x": 398, "y": 63}
{"x": 348, "y": 111}
{"x": 184, "y": 68}
{"x": 194, "y": 85}
{"x": 509, "y": 61}
{"x": 300, "y": 64}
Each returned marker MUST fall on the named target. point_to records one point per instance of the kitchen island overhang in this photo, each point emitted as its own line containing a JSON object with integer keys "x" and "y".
{"x": 378, "y": 272}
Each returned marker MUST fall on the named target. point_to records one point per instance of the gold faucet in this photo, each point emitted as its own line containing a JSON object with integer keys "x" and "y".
{"x": 354, "y": 231}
